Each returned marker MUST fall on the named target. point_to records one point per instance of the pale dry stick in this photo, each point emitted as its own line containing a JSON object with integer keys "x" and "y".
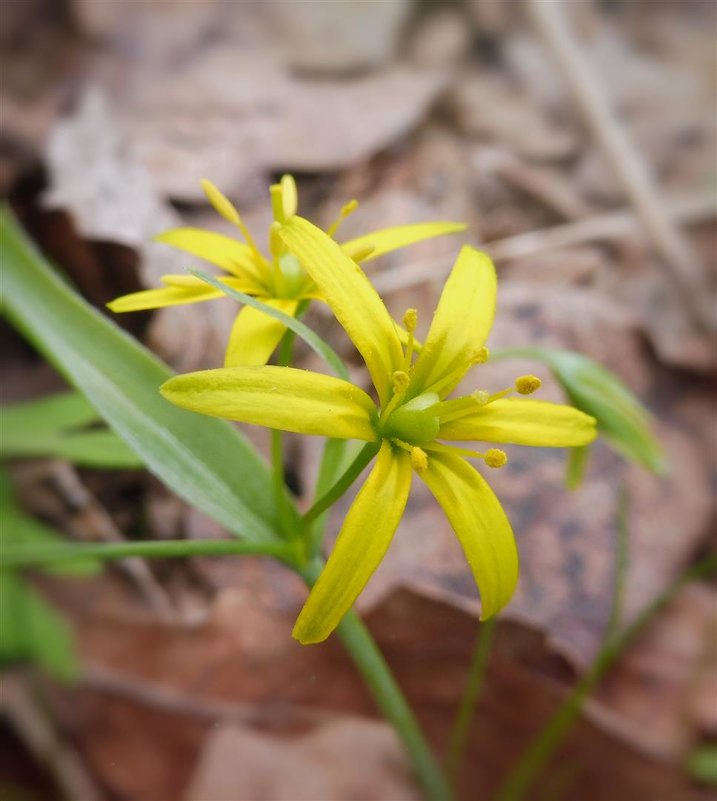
{"x": 91, "y": 521}
{"x": 689, "y": 209}
{"x": 130, "y": 688}
{"x": 627, "y": 161}
{"x": 31, "y": 722}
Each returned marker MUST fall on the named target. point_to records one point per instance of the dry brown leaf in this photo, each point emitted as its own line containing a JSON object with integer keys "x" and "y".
{"x": 237, "y": 764}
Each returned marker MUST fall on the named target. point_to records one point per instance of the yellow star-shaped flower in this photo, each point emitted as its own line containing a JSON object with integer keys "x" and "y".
{"x": 279, "y": 281}
{"x": 411, "y": 425}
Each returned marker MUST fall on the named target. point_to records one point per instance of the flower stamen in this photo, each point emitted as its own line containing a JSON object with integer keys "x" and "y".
{"x": 346, "y": 209}
{"x": 410, "y": 320}
{"x": 222, "y": 205}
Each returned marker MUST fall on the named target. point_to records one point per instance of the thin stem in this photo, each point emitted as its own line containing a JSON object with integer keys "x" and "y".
{"x": 331, "y": 461}
{"x": 536, "y": 756}
{"x": 367, "y": 657}
{"x": 352, "y": 472}
{"x": 466, "y": 710}
{"x": 31, "y": 555}
{"x": 286, "y": 349}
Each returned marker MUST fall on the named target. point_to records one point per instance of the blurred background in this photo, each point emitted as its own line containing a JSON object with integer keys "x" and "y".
{"x": 577, "y": 140}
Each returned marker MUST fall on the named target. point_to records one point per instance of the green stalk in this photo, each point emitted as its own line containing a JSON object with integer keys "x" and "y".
{"x": 277, "y": 452}
{"x": 369, "y": 660}
{"x": 536, "y": 756}
{"x": 352, "y": 472}
{"x": 466, "y": 710}
{"x": 19, "y": 556}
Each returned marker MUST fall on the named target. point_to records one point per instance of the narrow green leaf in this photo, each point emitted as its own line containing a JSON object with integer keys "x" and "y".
{"x": 702, "y": 764}
{"x": 312, "y": 339}
{"x": 47, "y": 415}
{"x": 575, "y": 469}
{"x": 54, "y": 427}
{"x": 99, "y": 448}
{"x": 31, "y": 631}
{"x": 204, "y": 460}
{"x": 622, "y": 419}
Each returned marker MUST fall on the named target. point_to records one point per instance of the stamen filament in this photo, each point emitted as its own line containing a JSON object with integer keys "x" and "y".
{"x": 410, "y": 320}
{"x": 346, "y": 209}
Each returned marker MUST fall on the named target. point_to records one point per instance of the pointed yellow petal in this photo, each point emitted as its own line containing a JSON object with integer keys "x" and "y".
{"x": 460, "y": 325}
{"x": 289, "y": 196}
{"x": 480, "y": 524}
{"x": 227, "y": 253}
{"x": 246, "y": 284}
{"x": 255, "y": 335}
{"x": 364, "y": 539}
{"x": 351, "y": 297}
{"x": 165, "y": 296}
{"x": 524, "y": 422}
{"x": 221, "y": 203}
{"x": 388, "y": 239}
{"x": 277, "y": 397}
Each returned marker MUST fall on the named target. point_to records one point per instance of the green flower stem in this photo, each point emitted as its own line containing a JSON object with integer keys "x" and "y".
{"x": 534, "y": 759}
{"x": 466, "y": 710}
{"x": 331, "y": 461}
{"x": 286, "y": 349}
{"x": 353, "y": 471}
{"x": 367, "y": 657}
{"x": 31, "y": 555}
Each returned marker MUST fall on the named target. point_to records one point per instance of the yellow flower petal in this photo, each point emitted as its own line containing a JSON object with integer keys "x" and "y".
{"x": 480, "y": 524}
{"x": 165, "y": 296}
{"x": 245, "y": 284}
{"x": 364, "y": 539}
{"x": 289, "y": 196}
{"x": 277, "y": 397}
{"x": 524, "y": 422}
{"x": 221, "y": 203}
{"x": 229, "y": 254}
{"x": 255, "y": 335}
{"x": 460, "y": 326}
{"x": 351, "y": 297}
{"x": 389, "y": 239}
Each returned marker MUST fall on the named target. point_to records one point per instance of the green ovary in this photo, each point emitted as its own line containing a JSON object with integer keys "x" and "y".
{"x": 415, "y": 422}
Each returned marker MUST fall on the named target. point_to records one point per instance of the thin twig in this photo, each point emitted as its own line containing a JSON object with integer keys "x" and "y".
{"x": 104, "y": 680}
{"x": 33, "y": 725}
{"x": 627, "y": 161}
{"x": 621, "y": 224}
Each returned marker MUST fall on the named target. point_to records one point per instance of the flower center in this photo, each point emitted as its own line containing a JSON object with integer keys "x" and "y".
{"x": 415, "y": 421}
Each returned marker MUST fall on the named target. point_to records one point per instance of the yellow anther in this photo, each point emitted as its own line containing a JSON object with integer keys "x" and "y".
{"x": 527, "y": 384}
{"x": 481, "y": 397}
{"x": 361, "y": 253}
{"x": 400, "y": 381}
{"x": 346, "y": 209}
{"x": 495, "y": 457}
{"x": 410, "y": 318}
{"x": 419, "y": 459}
{"x": 481, "y": 356}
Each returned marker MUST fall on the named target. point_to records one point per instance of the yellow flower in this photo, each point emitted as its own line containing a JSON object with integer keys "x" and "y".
{"x": 413, "y": 415}
{"x": 278, "y": 281}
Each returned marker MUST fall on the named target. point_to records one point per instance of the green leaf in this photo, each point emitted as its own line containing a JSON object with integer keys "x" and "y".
{"x": 47, "y": 415}
{"x": 31, "y": 631}
{"x": 593, "y": 389}
{"x": 702, "y": 764}
{"x": 53, "y": 427}
{"x": 99, "y": 448}
{"x": 575, "y": 469}
{"x": 204, "y": 460}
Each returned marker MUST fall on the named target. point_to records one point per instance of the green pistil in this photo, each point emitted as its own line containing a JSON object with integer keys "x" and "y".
{"x": 414, "y": 422}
